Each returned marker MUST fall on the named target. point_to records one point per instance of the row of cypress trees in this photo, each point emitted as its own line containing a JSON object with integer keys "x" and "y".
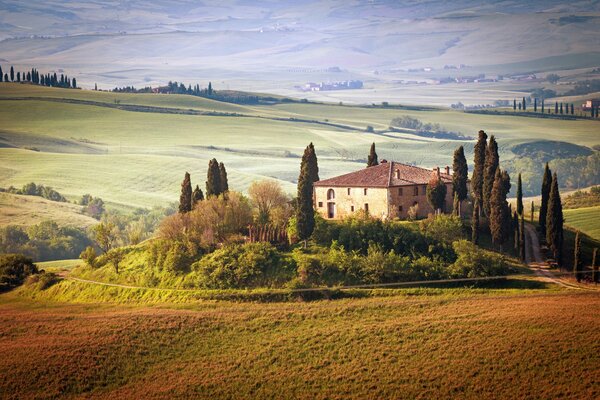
{"x": 36, "y": 78}
{"x": 551, "y": 217}
{"x": 216, "y": 184}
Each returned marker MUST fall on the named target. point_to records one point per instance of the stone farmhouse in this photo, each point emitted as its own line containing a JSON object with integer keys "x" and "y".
{"x": 387, "y": 190}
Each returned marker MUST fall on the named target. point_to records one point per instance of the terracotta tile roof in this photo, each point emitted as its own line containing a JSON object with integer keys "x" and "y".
{"x": 386, "y": 174}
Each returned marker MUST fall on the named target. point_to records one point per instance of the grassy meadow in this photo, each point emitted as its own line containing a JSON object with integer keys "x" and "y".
{"x": 586, "y": 219}
{"x": 137, "y": 159}
{"x": 457, "y": 344}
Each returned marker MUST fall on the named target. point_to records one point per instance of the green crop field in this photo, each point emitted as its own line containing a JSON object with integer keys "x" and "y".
{"x": 585, "y": 219}
{"x": 463, "y": 344}
{"x": 137, "y": 159}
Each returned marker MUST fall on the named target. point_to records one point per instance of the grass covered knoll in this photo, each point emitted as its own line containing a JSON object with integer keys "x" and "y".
{"x": 585, "y": 219}
{"x": 476, "y": 346}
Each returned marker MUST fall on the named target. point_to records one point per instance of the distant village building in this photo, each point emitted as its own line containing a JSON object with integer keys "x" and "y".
{"x": 387, "y": 190}
{"x": 323, "y": 86}
{"x": 589, "y": 104}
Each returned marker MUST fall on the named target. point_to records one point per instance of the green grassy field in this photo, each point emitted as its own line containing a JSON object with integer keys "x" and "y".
{"x": 585, "y": 219}
{"x": 138, "y": 159}
{"x": 456, "y": 344}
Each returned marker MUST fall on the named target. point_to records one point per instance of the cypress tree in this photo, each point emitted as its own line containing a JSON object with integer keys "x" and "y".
{"x": 5, "y": 77}
{"x": 535, "y": 104}
{"x": 555, "y": 108}
{"x": 572, "y": 109}
{"x": 213, "y": 179}
{"x": 542, "y": 106}
{"x": 522, "y": 239}
{"x": 478, "y": 164}
{"x": 372, "y": 159}
{"x": 460, "y": 176}
{"x": 74, "y": 83}
{"x": 561, "y": 107}
{"x": 456, "y": 205}
{"x": 489, "y": 172}
{"x": 524, "y": 104}
{"x": 595, "y": 272}
{"x": 546, "y": 184}
{"x": 305, "y": 215}
{"x": 554, "y": 221}
{"x": 210, "y": 90}
{"x": 532, "y": 210}
{"x": 1, "y": 75}
{"x": 197, "y": 195}
{"x": 185, "y": 199}
{"x": 577, "y": 261}
{"x": 18, "y": 77}
{"x": 313, "y": 165}
{"x": 519, "y": 196}
{"x": 499, "y": 213}
{"x": 515, "y": 229}
{"x": 520, "y": 106}
{"x": 514, "y": 104}
{"x": 475, "y": 224}
{"x": 12, "y": 74}
{"x": 223, "y": 178}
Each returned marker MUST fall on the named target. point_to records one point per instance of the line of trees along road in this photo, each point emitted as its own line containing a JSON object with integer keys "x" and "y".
{"x": 33, "y": 76}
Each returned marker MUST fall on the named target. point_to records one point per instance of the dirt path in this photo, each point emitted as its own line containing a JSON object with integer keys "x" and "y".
{"x": 535, "y": 260}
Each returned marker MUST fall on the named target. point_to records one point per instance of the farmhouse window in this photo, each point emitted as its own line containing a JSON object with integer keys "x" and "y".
{"x": 366, "y": 206}
{"x": 400, "y": 208}
{"x": 416, "y": 191}
{"x": 348, "y": 191}
{"x": 399, "y": 191}
{"x": 352, "y": 208}
{"x": 365, "y": 191}
{"x": 330, "y": 194}
{"x": 320, "y": 204}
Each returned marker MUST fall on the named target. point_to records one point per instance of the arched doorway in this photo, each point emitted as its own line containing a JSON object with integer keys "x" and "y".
{"x": 330, "y": 203}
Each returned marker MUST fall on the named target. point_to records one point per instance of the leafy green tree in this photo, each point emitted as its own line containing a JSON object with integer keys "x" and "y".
{"x": 197, "y": 195}
{"x": 213, "y": 179}
{"x": 436, "y": 193}
{"x": 478, "y": 168}
{"x": 460, "y": 176}
{"x": 223, "y": 178}
{"x": 305, "y": 215}
{"x": 185, "y": 199}
{"x": 499, "y": 212}
{"x": 106, "y": 235}
{"x": 14, "y": 268}
{"x": 546, "y": 185}
{"x": 577, "y": 261}
{"x": 519, "y": 196}
{"x": 372, "y": 159}
{"x": 475, "y": 224}
{"x": 554, "y": 221}
{"x": 552, "y": 78}
{"x": 492, "y": 160}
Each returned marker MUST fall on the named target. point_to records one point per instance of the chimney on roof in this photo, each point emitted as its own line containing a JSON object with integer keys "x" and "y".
{"x": 447, "y": 170}
{"x": 383, "y": 161}
{"x": 436, "y": 171}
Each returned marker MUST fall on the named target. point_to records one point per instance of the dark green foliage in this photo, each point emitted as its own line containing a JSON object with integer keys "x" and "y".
{"x": 213, "y": 179}
{"x": 577, "y": 260}
{"x": 31, "y": 189}
{"x": 499, "y": 212}
{"x": 460, "y": 174}
{"x": 515, "y": 230}
{"x": 524, "y": 104}
{"x": 14, "y": 268}
{"x": 514, "y": 104}
{"x": 197, "y": 195}
{"x": 372, "y": 159}
{"x": 309, "y": 173}
{"x": 223, "y": 178}
{"x": 595, "y": 272}
{"x": 475, "y": 224}
{"x": 185, "y": 198}
{"x": 543, "y": 106}
{"x": 561, "y": 108}
{"x": 88, "y": 255}
{"x": 12, "y": 74}
{"x": 554, "y": 221}
{"x": 522, "y": 243}
{"x": 436, "y": 193}
{"x": 478, "y": 168}
{"x": 532, "y": 210}
{"x": 519, "y": 196}
{"x": 555, "y": 108}
{"x": 546, "y": 185}
{"x": 456, "y": 205}
{"x": 1, "y": 75}
{"x": 492, "y": 160}
{"x": 94, "y": 208}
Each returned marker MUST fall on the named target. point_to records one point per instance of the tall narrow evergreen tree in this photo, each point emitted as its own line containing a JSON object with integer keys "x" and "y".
{"x": 555, "y": 108}
{"x": 554, "y": 221}
{"x": 524, "y": 104}
{"x": 210, "y": 89}
{"x": 519, "y": 196}
{"x": 460, "y": 176}
{"x": 213, "y": 179}
{"x": 305, "y": 215}
{"x": 456, "y": 205}
{"x": 515, "y": 229}
{"x": 478, "y": 165}
{"x": 535, "y": 104}
{"x": 1, "y": 75}
{"x": 572, "y": 109}
{"x": 499, "y": 213}
{"x": 542, "y": 105}
{"x": 595, "y": 272}
{"x": 475, "y": 224}
{"x": 12, "y": 74}
{"x": 223, "y": 178}
{"x": 561, "y": 107}
{"x": 313, "y": 164}
{"x": 492, "y": 161}
{"x": 197, "y": 195}
{"x": 372, "y": 159}
{"x": 74, "y": 83}
{"x": 577, "y": 261}
{"x": 532, "y": 210}
{"x": 546, "y": 185}
{"x": 522, "y": 239}
{"x": 185, "y": 199}
{"x": 514, "y": 104}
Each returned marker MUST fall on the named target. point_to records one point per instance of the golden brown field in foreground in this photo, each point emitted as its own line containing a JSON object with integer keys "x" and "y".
{"x": 479, "y": 346}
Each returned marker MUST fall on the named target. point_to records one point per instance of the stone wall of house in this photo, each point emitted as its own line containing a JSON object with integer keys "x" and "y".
{"x": 350, "y": 200}
{"x": 405, "y": 197}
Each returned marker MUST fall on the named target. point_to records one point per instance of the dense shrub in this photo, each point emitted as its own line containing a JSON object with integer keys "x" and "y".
{"x": 14, "y": 268}
{"x": 31, "y": 189}
{"x": 473, "y": 262}
{"x": 443, "y": 228}
{"x": 43, "y": 280}
{"x": 242, "y": 266}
